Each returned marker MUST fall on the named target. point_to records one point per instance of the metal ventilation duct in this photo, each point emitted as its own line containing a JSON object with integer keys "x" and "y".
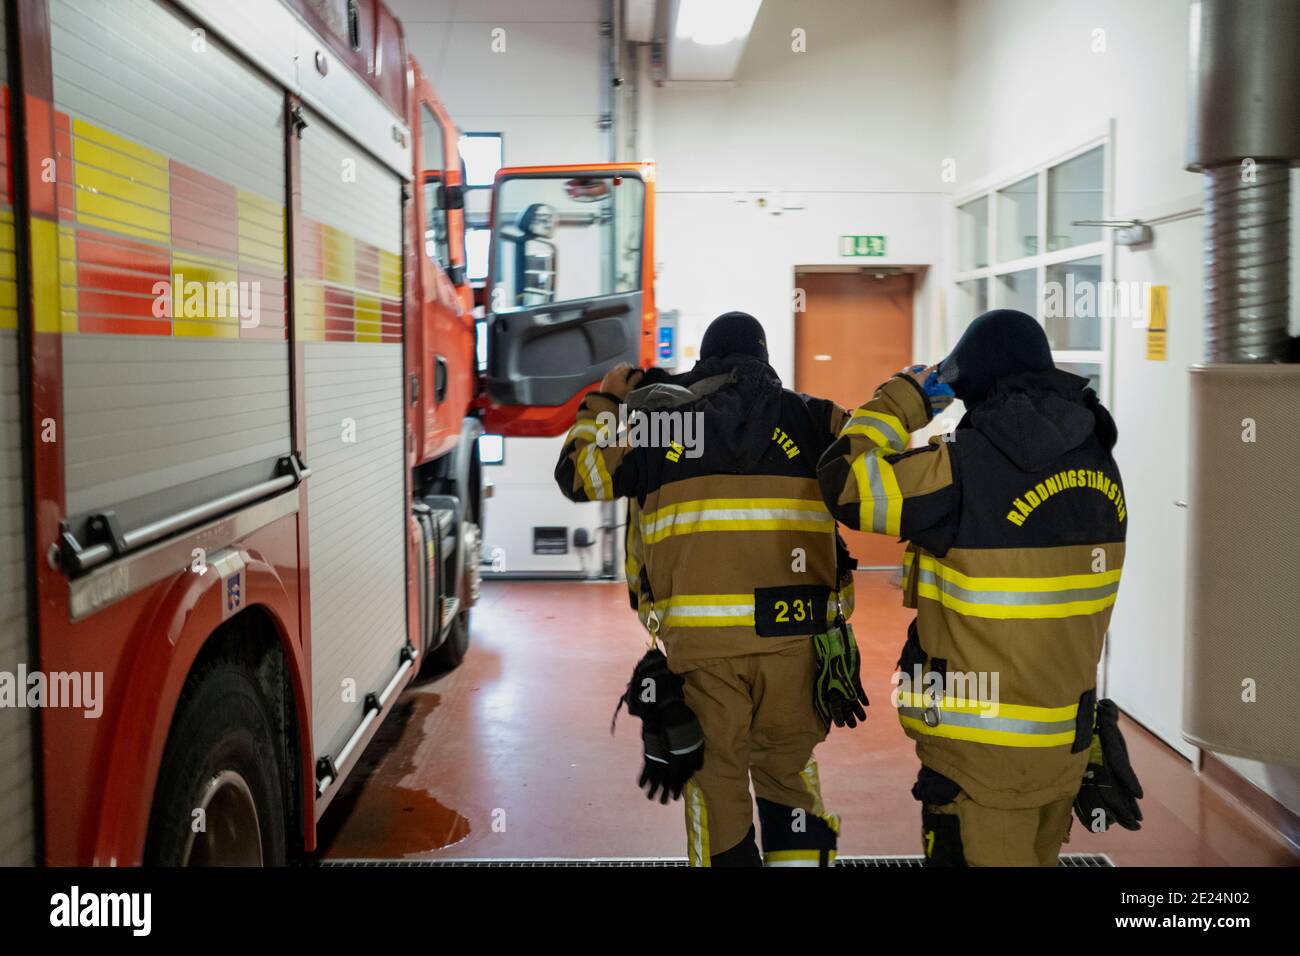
{"x": 1244, "y": 134}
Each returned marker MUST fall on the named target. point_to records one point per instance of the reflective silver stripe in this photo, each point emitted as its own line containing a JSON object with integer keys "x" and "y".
{"x": 1016, "y": 598}
{"x": 593, "y": 472}
{"x": 1008, "y": 725}
{"x": 706, "y": 610}
{"x": 879, "y": 506}
{"x": 863, "y": 419}
{"x": 736, "y": 514}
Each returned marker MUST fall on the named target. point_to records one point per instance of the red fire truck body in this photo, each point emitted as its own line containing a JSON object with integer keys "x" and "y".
{"x": 254, "y": 519}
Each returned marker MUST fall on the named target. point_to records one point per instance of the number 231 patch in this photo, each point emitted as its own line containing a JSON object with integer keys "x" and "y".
{"x": 790, "y": 611}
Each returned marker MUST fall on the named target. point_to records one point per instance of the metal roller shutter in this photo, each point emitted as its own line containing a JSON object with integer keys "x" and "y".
{"x": 348, "y": 313}
{"x": 17, "y": 767}
{"x": 171, "y": 170}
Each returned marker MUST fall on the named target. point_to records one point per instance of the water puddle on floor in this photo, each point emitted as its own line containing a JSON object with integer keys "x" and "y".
{"x": 374, "y": 817}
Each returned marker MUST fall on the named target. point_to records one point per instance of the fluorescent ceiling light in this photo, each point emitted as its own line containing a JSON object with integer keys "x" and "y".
{"x": 715, "y": 22}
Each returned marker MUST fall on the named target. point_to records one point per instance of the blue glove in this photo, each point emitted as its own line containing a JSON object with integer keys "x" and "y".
{"x": 939, "y": 393}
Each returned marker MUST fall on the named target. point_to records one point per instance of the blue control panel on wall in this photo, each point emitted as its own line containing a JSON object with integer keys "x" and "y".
{"x": 666, "y": 346}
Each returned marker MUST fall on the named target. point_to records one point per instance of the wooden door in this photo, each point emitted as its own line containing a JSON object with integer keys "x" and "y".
{"x": 855, "y": 332}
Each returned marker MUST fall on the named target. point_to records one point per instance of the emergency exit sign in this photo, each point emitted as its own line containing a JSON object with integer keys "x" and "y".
{"x": 862, "y": 245}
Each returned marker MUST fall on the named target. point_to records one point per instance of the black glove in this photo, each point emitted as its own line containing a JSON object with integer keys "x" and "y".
{"x": 670, "y": 734}
{"x": 1109, "y": 783}
{"x": 837, "y": 688}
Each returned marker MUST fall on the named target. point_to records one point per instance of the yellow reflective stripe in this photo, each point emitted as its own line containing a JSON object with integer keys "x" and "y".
{"x": 697, "y": 827}
{"x": 606, "y": 482}
{"x": 811, "y": 777}
{"x": 584, "y": 430}
{"x": 882, "y": 428}
{"x": 589, "y": 461}
{"x": 865, "y": 502}
{"x": 1016, "y": 611}
{"x": 735, "y": 504}
{"x": 1063, "y": 582}
{"x": 714, "y": 610}
{"x": 893, "y": 498}
{"x": 796, "y": 857}
{"x": 1001, "y": 738}
{"x": 584, "y": 472}
{"x": 736, "y": 514}
{"x": 880, "y": 506}
{"x": 703, "y": 526}
{"x": 707, "y": 610}
{"x": 992, "y": 708}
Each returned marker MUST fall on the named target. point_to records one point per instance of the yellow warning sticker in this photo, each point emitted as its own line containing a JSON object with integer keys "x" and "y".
{"x": 1158, "y": 324}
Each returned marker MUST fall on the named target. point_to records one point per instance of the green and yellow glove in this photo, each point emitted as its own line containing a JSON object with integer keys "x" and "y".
{"x": 837, "y": 688}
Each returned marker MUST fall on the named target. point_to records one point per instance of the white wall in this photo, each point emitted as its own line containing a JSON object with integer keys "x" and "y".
{"x": 1027, "y": 84}
{"x": 854, "y": 131}
{"x": 542, "y": 93}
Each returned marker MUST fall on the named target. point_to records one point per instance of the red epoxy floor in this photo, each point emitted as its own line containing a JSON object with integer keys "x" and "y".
{"x": 510, "y": 756}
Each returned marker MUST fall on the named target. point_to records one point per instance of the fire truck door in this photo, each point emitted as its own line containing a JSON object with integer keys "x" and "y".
{"x": 570, "y": 289}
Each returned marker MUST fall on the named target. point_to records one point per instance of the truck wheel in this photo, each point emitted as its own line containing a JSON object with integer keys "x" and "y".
{"x": 451, "y": 652}
{"x": 220, "y": 758}
{"x": 448, "y": 655}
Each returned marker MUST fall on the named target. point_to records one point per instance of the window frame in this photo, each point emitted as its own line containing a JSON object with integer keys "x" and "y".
{"x": 494, "y": 263}
{"x": 1103, "y": 248}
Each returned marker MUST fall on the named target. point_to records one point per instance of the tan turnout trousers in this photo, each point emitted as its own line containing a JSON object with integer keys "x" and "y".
{"x": 759, "y": 725}
{"x": 992, "y": 837}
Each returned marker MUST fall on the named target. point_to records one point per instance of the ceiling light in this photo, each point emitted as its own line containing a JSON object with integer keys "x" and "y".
{"x": 821, "y": 358}
{"x": 715, "y": 22}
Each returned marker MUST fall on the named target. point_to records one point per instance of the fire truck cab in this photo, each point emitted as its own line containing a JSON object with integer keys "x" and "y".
{"x": 241, "y": 384}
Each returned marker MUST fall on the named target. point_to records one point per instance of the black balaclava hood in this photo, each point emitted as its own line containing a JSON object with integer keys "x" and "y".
{"x": 734, "y": 333}
{"x": 999, "y": 343}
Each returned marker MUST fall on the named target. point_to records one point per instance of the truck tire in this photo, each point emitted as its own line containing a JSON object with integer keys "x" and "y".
{"x": 220, "y": 757}
{"x": 448, "y": 655}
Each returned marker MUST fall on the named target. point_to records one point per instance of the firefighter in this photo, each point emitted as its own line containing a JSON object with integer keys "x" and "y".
{"x": 738, "y": 565}
{"x": 1015, "y": 523}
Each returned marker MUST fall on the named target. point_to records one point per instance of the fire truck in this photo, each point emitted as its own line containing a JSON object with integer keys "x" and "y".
{"x": 242, "y": 382}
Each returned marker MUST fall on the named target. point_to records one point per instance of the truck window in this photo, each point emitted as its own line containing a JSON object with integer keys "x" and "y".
{"x": 563, "y": 239}
{"x": 435, "y": 226}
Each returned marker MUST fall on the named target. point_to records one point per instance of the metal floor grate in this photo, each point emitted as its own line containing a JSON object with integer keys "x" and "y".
{"x": 1085, "y": 860}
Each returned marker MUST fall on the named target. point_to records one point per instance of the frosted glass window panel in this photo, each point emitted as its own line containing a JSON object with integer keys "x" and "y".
{"x": 972, "y": 299}
{"x": 1019, "y": 290}
{"x": 1074, "y": 302}
{"x": 973, "y": 234}
{"x": 1075, "y": 191}
{"x": 1018, "y": 220}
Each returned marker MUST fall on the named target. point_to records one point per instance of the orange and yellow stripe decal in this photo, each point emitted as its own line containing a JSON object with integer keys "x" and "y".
{"x": 147, "y": 245}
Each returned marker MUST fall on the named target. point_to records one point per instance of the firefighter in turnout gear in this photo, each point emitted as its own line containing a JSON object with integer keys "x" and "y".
{"x": 737, "y": 564}
{"x": 1015, "y": 523}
